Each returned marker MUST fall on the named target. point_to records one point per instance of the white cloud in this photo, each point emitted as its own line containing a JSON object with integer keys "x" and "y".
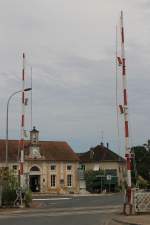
{"x": 71, "y": 47}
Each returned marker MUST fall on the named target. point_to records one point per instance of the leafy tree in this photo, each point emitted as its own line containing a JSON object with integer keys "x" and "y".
{"x": 142, "y": 162}
{"x": 9, "y": 189}
{"x": 93, "y": 182}
{"x": 97, "y": 181}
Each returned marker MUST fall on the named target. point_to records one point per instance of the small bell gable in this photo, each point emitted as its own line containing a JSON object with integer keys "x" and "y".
{"x": 34, "y": 150}
{"x": 34, "y": 136}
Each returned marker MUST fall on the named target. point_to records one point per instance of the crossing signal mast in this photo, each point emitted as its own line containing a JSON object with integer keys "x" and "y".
{"x": 22, "y": 125}
{"x": 124, "y": 111}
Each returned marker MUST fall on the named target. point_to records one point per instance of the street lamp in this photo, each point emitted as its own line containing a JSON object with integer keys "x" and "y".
{"x": 16, "y": 92}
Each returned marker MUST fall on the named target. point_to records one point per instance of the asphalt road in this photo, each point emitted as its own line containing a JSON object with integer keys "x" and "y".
{"x": 80, "y": 201}
{"x": 89, "y": 210}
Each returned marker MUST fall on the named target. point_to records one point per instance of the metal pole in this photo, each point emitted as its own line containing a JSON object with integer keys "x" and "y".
{"x": 125, "y": 108}
{"x": 31, "y": 99}
{"x": 101, "y": 184}
{"x": 22, "y": 126}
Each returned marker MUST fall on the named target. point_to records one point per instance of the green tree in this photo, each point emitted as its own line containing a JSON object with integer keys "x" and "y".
{"x": 9, "y": 189}
{"x": 95, "y": 180}
{"x": 142, "y": 162}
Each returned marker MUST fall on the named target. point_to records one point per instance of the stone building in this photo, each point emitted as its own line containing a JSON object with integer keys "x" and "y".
{"x": 101, "y": 158}
{"x": 49, "y": 166}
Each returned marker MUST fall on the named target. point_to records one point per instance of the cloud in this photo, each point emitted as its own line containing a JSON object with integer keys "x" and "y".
{"x": 71, "y": 48}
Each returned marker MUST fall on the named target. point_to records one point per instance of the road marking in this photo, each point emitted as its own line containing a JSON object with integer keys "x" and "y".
{"x": 50, "y": 199}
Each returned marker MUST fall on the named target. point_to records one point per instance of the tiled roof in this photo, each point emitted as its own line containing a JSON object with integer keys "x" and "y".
{"x": 50, "y": 150}
{"x": 99, "y": 153}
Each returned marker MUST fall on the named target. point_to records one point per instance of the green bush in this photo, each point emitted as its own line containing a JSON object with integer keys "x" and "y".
{"x": 93, "y": 183}
{"x": 28, "y": 198}
{"x": 142, "y": 183}
{"x": 8, "y": 197}
{"x": 9, "y": 190}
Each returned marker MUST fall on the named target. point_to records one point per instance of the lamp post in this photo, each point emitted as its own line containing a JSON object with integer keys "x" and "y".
{"x": 16, "y": 92}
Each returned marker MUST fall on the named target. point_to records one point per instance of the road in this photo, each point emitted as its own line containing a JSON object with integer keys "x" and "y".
{"x": 88, "y": 210}
{"x": 82, "y": 201}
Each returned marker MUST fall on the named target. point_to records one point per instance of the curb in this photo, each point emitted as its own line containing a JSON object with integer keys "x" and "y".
{"x": 125, "y": 223}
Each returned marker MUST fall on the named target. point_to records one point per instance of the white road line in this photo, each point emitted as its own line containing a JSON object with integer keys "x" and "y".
{"x": 50, "y": 199}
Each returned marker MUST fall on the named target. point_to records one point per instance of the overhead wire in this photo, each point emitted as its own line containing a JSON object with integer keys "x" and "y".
{"x": 31, "y": 110}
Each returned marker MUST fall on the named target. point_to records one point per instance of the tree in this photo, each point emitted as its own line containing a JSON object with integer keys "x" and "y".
{"x": 98, "y": 181}
{"x": 93, "y": 180}
{"x": 142, "y": 162}
{"x": 9, "y": 189}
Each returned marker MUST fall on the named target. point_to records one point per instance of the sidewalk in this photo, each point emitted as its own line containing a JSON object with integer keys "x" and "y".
{"x": 143, "y": 219}
{"x": 70, "y": 195}
{"x": 117, "y": 219}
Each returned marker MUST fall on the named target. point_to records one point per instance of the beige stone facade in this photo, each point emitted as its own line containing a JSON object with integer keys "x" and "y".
{"x": 63, "y": 181}
{"x": 49, "y": 166}
{"x": 53, "y": 176}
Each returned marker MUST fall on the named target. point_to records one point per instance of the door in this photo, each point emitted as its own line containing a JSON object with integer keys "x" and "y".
{"x": 35, "y": 183}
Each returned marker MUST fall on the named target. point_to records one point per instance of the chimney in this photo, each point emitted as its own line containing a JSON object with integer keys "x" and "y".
{"x": 102, "y": 144}
{"x": 107, "y": 144}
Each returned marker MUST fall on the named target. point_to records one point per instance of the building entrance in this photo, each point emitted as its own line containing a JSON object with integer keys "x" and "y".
{"x": 35, "y": 183}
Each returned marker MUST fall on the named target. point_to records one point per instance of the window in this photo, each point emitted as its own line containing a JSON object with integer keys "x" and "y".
{"x": 112, "y": 172}
{"x": 69, "y": 180}
{"x": 119, "y": 169}
{"x": 14, "y": 167}
{"x": 69, "y": 167}
{"x": 53, "y": 167}
{"x": 83, "y": 167}
{"x": 53, "y": 180}
{"x": 34, "y": 168}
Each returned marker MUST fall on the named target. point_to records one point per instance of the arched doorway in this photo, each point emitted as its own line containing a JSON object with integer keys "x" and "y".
{"x": 34, "y": 179}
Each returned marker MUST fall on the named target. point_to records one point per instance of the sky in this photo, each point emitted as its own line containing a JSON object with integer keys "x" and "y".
{"x": 70, "y": 45}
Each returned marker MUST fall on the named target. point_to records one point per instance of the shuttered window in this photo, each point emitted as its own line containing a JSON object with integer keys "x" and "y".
{"x": 53, "y": 180}
{"x": 69, "y": 180}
